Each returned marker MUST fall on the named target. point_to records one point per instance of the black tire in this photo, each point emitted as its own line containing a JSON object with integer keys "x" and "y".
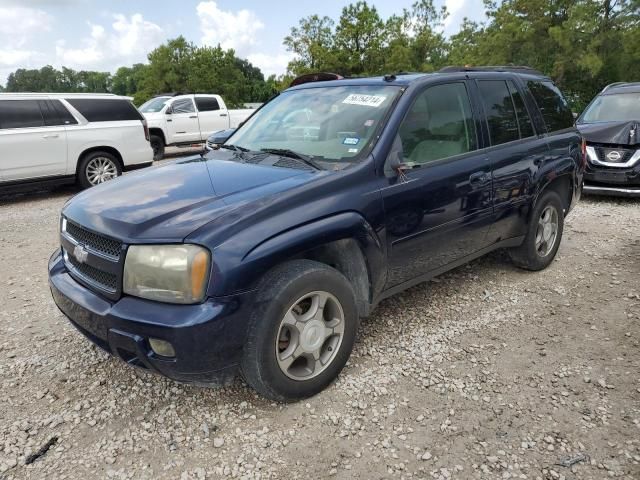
{"x": 527, "y": 255}
{"x": 279, "y": 291}
{"x": 85, "y": 179}
{"x": 157, "y": 144}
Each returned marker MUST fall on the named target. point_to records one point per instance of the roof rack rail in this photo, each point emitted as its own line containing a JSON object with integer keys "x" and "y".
{"x": 614, "y": 84}
{"x": 493, "y": 68}
{"x": 315, "y": 77}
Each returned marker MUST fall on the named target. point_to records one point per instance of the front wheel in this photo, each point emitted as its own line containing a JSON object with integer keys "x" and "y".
{"x": 98, "y": 167}
{"x": 544, "y": 234}
{"x": 302, "y": 331}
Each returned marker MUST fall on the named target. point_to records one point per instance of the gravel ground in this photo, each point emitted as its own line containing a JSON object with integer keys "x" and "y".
{"x": 485, "y": 372}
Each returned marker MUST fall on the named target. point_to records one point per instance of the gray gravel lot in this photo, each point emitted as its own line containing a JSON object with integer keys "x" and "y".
{"x": 486, "y": 372}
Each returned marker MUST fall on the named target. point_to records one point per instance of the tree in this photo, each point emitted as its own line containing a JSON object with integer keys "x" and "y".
{"x": 313, "y": 43}
{"x": 126, "y": 80}
{"x": 359, "y": 39}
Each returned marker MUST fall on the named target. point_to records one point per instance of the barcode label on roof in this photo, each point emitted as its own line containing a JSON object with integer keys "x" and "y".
{"x": 366, "y": 100}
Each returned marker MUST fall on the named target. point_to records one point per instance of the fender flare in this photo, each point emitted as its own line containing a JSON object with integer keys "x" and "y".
{"x": 294, "y": 242}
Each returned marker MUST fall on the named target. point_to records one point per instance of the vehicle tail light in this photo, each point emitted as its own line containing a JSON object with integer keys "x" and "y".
{"x": 146, "y": 129}
{"x": 584, "y": 153}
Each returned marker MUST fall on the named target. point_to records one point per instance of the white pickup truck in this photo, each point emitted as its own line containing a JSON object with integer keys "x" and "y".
{"x": 187, "y": 119}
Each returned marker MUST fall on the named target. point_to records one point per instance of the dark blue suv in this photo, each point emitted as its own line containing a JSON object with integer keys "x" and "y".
{"x": 260, "y": 257}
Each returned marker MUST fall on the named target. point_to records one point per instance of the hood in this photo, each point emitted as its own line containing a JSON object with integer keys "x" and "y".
{"x": 167, "y": 203}
{"x": 153, "y": 117}
{"x": 618, "y": 133}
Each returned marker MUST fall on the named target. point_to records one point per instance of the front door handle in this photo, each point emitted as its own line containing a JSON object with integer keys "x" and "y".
{"x": 479, "y": 179}
{"x": 223, "y": 114}
{"x": 193, "y": 116}
{"x": 51, "y": 136}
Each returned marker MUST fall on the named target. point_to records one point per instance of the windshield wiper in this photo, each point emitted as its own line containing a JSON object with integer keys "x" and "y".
{"x": 235, "y": 148}
{"x": 285, "y": 152}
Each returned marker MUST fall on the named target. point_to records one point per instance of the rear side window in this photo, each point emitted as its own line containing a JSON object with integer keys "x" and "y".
{"x": 183, "y": 106}
{"x": 524, "y": 120}
{"x": 55, "y": 114}
{"x": 63, "y": 114}
{"x": 105, "y": 109}
{"x": 207, "y": 104}
{"x": 500, "y": 111}
{"x": 20, "y": 114}
{"x": 554, "y": 108}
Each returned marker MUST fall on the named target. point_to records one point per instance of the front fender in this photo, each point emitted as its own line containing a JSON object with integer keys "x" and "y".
{"x": 237, "y": 272}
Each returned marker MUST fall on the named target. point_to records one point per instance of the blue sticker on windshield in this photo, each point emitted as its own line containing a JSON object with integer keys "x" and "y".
{"x": 350, "y": 141}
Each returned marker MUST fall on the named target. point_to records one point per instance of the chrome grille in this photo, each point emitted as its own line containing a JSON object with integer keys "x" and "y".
{"x": 104, "y": 280}
{"x": 625, "y": 154}
{"x": 98, "y": 243}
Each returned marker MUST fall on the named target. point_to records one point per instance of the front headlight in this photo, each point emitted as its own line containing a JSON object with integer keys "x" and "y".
{"x": 167, "y": 273}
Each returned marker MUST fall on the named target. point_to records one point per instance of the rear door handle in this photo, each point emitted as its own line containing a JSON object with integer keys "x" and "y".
{"x": 53, "y": 135}
{"x": 479, "y": 179}
{"x": 193, "y": 116}
{"x": 223, "y": 114}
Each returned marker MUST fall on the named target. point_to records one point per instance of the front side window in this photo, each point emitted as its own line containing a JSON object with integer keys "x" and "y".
{"x": 554, "y": 108}
{"x": 500, "y": 111}
{"x": 617, "y": 107}
{"x": 183, "y": 106}
{"x": 438, "y": 125}
{"x": 328, "y": 123}
{"x": 20, "y": 114}
{"x": 154, "y": 105}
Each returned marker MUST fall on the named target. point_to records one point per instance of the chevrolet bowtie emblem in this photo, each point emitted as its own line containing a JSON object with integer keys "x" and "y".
{"x": 80, "y": 253}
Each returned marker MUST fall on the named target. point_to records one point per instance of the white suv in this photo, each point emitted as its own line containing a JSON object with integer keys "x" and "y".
{"x": 66, "y": 138}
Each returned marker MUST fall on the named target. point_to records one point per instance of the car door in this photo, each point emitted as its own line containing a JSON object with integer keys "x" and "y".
{"x": 515, "y": 152}
{"x": 182, "y": 122}
{"x": 439, "y": 210}
{"x": 212, "y": 117}
{"x": 30, "y": 147}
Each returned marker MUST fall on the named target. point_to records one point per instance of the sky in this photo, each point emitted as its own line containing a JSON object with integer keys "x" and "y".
{"x": 99, "y": 35}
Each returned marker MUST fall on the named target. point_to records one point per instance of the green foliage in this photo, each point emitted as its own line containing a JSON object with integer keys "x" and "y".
{"x": 177, "y": 66}
{"x": 583, "y": 44}
{"x": 48, "y": 79}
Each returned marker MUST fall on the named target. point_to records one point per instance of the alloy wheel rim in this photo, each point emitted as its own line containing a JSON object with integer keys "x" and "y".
{"x": 547, "y": 231}
{"x": 310, "y": 335}
{"x": 100, "y": 170}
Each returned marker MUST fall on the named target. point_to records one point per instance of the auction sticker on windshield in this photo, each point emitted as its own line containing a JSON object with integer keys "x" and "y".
{"x": 366, "y": 100}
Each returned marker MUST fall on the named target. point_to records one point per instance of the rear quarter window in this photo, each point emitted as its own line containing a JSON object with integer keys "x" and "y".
{"x": 554, "y": 108}
{"x": 105, "y": 110}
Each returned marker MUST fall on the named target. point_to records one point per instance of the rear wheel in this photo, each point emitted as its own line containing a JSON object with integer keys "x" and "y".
{"x": 544, "y": 234}
{"x": 98, "y": 167}
{"x": 157, "y": 144}
{"x": 302, "y": 331}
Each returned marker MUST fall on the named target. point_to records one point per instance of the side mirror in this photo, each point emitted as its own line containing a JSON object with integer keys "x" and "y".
{"x": 395, "y": 166}
{"x": 218, "y": 138}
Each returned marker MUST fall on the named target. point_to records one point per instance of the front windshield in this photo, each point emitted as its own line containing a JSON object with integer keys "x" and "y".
{"x": 328, "y": 123}
{"x": 154, "y": 105}
{"x": 618, "y": 107}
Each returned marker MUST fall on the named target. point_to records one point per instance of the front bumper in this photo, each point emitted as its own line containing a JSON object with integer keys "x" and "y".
{"x": 604, "y": 179}
{"x": 207, "y": 338}
{"x": 610, "y": 190}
